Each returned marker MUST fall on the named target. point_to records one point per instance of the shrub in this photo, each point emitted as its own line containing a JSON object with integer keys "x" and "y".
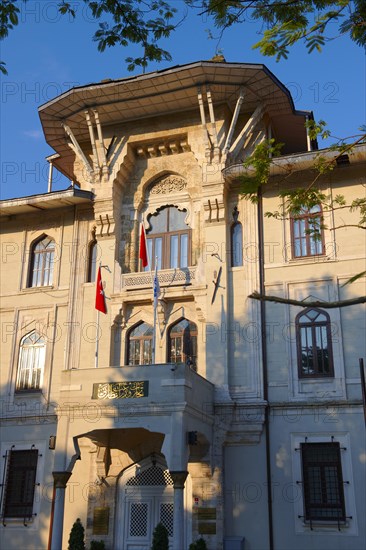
{"x": 97, "y": 545}
{"x": 76, "y": 539}
{"x": 160, "y": 538}
{"x": 200, "y": 544}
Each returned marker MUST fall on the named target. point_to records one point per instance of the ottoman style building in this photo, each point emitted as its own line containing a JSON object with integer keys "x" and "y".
{"x": 105, "y": 419}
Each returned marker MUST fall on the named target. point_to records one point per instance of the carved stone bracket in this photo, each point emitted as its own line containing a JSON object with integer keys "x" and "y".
{"x": 103, "y": 461}
{"x": 171, "y": 147}
{"x": 214, "y": 209}
{"x": 60, "y": 479}
{"x": 105, "y": 222}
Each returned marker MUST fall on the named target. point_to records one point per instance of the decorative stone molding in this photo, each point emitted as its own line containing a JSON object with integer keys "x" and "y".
{"x": 168, "y": 184}
{"x": 179, "y": 478}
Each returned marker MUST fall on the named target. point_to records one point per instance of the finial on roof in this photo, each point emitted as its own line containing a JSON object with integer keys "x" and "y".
{"x": 219, "y": 58}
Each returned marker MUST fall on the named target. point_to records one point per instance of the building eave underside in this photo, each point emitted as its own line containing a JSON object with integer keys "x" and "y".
{"x": 166, "y": 92}
{"x": 44, "y": 202}
{"x": 297, "y": 162}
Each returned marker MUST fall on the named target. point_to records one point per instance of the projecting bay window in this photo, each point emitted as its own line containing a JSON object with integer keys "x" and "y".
{"x": 168, "y": 239}
{"x": 322, "y": 481}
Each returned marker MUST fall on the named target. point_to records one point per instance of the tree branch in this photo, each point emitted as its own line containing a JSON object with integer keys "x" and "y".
{"x": 316, "y": 303}
{"x": 347, "y": 225}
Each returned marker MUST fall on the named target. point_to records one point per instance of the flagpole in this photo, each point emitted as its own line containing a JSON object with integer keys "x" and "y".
{"x": 154, "y": 334}
{"x": 97, "y": 342}
{"x": 155, "y": 300}
{"x": 97, "y": 331}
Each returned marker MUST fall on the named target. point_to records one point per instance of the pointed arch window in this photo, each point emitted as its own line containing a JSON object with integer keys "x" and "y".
{"x": 169, "y": 239}
{"x": 139, "y": 345}
{"x": 182, "y": 343}
{"x": 314, "y": 344}
{"x": 42, "y": 261}
{"x": 92, "y": 261}
{"x": 32, "y": 354}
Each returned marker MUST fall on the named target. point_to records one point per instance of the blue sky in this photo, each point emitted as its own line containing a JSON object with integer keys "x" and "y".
{"x": 47, "y": 54}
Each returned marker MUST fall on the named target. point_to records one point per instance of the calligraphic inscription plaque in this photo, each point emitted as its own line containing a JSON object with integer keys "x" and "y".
{"x": 101, "y": 521}
{"x": 121, "y": 390}
{"x": 207, "y": 528}
{"x": 205, "y": 514}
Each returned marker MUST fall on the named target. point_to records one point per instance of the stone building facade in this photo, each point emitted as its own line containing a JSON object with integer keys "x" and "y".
{"x": 237, "y": 395}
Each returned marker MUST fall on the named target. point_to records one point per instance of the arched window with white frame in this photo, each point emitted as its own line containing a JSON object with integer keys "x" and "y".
{"x": 31, "y": 362}
{"x": 42, "y": 257}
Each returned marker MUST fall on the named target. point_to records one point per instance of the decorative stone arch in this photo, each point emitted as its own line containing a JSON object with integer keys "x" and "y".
{"x": 165, "y": 189}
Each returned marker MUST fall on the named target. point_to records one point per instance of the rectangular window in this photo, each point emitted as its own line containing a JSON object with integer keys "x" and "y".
{"x": 307, "y": 233}
{"x": 20, "y": 484}
{"x": 322, "y": 482}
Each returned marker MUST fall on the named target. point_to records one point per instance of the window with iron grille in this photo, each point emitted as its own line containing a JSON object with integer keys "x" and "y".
{"x": 32, "y": 353}
{"x": 307, "y": 233}
{"x": 314, "y": 344}
{"x": 41, "y": 262}
{"x": 322, "y": 482}
{"x": 20, "y": 481}
{"x": 182, "y": 343}
{"x": 139, "y": 345}
{"x": 169, "y": 239}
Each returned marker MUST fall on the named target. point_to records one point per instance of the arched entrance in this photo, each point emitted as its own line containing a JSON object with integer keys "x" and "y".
{"x": 145, "y": 498}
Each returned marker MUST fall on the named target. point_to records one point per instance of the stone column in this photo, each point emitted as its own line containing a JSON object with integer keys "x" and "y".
{"x": 179, "y": 478}
{"x": 60, "y": 480}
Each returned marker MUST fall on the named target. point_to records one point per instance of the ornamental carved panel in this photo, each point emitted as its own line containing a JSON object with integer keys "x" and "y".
{"x": 168, "y": 184}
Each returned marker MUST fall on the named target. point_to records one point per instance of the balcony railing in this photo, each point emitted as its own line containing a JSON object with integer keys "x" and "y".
{"x": 167, "y": 278}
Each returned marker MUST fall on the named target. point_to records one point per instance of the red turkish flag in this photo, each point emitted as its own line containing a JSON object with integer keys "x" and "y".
{"x": 99, "y": 296}
{"x": 143, "y": 248}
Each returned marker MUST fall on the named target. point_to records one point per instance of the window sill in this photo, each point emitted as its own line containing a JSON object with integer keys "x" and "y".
{"x": 30, "y": 289}
{"x": 316, "y": 378}
{"x": 28, "y": 393}
{"x": 317, "y": 258}
{"x": 16, "y": 522}
{"x": 328, "y": 525}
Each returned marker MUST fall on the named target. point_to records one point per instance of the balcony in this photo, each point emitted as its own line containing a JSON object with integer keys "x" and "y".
{"x": 164, "y": 385}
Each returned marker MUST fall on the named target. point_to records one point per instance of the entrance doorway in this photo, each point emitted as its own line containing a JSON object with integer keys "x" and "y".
{"x": 145, "y": 499}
